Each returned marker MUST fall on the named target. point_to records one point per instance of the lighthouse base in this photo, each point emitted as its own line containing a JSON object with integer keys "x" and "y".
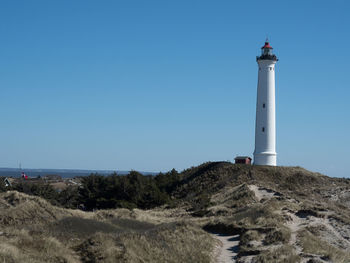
{"x": 265, "y": 158}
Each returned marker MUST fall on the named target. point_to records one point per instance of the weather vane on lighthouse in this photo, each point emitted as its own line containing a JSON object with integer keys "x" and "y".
{"x": 265, "y": 126}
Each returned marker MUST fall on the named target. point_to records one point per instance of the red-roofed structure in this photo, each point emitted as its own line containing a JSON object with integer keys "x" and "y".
{"x": 243, "y": 159}
{"x": 267, "y": 45}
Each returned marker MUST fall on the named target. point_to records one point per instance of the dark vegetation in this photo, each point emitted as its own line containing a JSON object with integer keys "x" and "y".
{"x": 2, "y": 184}
{"x": 192, "y": 187}
{"x": 68, "y": 198}
{"x": 130, "y": 191}
{"x": 103, "y": 192}
{"x": 72, "y": 227}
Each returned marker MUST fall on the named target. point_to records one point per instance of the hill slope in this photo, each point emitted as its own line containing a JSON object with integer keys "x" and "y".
{"x": 285, "y": 214}
{"x": 281, "y": 214}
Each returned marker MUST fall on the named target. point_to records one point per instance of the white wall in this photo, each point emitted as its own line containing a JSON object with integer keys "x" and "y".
{"x": 265, "y": 140}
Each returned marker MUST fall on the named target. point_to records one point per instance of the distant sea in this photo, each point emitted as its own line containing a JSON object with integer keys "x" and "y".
{"x": 64, "y": 173}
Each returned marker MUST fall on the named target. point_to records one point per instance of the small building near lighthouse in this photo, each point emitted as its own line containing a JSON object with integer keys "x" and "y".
{"x": 243, "y": 160}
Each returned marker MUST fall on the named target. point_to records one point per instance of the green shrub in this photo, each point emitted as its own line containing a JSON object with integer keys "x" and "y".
{"x": 41, "y": 189}
{"x": 2, "y": 184}
{"x": 129, "y": 191}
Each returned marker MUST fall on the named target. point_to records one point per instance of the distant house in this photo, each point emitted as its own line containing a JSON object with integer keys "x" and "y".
{"x": 24, "y": 176}
{"x": 243, "y": 159}
{"x": 7, "y": 182}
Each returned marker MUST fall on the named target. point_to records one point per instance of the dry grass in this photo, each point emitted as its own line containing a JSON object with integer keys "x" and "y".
{"x": 283, "y": 254}
{"x": 229, "y": 198}
{"x": 32, "y": 230}
{"x": 166, "y": 243}
{"x": 314, "y": 245}
{"x": 249, "y": 236}
{"x": 179, "y": 243}
{"x": 256, "y": 216}
{"x": 21, "y": 209}
{"x": 280, "y": 235}
{"x": 22, "y": 246}
{"x": 249, "y": 241}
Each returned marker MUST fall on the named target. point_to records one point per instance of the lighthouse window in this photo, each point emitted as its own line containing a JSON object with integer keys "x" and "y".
{"x": 263, "y": 129}
{"x": 264, "y": 105}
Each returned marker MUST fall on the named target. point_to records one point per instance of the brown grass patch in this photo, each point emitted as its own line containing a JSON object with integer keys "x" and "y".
{"x": 284, "y": 254}
{"x": 166, "y": 243}
{"x": 314, "y": 245}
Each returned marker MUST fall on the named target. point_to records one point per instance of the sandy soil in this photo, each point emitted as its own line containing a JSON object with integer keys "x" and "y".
{"x": 228, "y": 249}
{"x": 261, "y": 193}
{"x": 334, "y": 234}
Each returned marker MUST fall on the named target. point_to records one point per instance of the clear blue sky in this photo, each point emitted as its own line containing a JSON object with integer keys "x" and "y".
{"x": 152, "y": 85}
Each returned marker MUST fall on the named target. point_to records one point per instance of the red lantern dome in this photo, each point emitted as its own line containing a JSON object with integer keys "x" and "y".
{"x": 267, "y": 45}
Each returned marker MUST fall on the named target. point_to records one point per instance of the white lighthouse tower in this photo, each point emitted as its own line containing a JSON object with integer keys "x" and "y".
{"x": 265, "y": 126}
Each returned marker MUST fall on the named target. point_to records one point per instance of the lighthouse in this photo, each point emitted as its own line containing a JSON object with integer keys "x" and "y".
{"x": 265, "y": 125}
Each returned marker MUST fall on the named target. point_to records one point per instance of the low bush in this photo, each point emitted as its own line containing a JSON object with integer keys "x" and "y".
{"x": 283, "y": 254}
{"x": 248, "y": 236}
{"x": 276, "y": 236}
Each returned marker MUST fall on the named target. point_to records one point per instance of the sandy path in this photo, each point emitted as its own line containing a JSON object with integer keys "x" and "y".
{"x": 261, "y": 193}
{"x": 229, "y": 249}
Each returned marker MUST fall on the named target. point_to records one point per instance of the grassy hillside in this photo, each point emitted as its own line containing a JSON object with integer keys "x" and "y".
{"x": 33, "y": 230}
{"x": 282, "y": 214}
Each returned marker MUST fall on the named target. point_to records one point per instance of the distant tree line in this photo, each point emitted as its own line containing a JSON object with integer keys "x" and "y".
{"x": 133, "y": 190}
{"x": 2, "y": 184}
